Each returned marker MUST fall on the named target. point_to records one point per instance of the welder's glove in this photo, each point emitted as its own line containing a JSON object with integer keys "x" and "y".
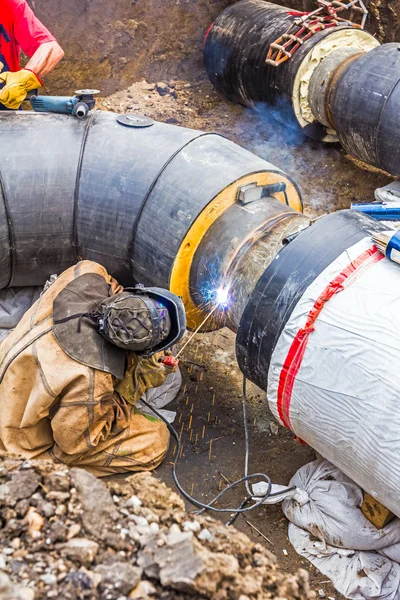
{"x": 16, "y": 87}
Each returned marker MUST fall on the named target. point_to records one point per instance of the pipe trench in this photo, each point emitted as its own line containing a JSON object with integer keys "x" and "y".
{"x": 339, "y": 85}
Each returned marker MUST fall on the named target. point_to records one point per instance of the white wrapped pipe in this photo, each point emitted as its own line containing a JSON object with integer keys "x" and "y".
{"x": 334, "y": 376}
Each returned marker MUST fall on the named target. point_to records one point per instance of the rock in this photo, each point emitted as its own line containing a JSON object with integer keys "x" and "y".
{"x": 79, "y": 579}
{"x": 81, "y": 550}
{"x": 176, "y": 536}
{"x": 48, "y": 579}
{"x": 143, "y": 590}
{"x": 172, "y": 121}
{"x": 58, "y": 496}
{"x": 162, "y": 88}
{"x": 205, "y": 535}
{"x": 178, "y": 565}
{"x": 22, "y": 507}
{"x": 191, "y": 526}
{"x": 23, "y": 483}
{"x": 58, "y": 532}
{"x": 3, "y": 562}
{"x": 97, "y": 503}
{"x": 133, "y": 502}
{"x": 47, "y": 509}
{"x": 73, "y": 531}
{"x": 61, "y": 510}
{"x": 26, "y": 593}
{"x": 4, "y": 494}
{"x": 35, "y": 522}
{"x": 7, "y": 588}
{"x": 121, "y": 575}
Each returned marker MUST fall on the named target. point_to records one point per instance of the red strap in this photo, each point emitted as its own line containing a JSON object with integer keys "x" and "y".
{"x": 294, "y": 358}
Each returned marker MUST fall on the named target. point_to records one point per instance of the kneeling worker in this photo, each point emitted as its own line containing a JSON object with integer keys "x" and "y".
{"x": 73, "y": 369}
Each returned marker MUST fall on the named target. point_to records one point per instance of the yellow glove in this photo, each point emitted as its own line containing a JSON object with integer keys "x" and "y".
{"x": 17, "y": 85}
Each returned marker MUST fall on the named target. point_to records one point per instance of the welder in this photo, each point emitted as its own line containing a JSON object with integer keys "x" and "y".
{"x": 76, "y": 365}
{"x": 21, "y": 29}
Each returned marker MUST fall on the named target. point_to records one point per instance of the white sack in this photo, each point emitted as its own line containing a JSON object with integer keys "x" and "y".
{"x": 331, "y": 531}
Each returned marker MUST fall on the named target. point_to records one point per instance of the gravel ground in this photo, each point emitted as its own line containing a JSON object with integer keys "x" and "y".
{"x": 65, "y": 534}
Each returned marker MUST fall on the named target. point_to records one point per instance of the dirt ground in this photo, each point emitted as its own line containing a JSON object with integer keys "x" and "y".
{"x": 209, "y": 412}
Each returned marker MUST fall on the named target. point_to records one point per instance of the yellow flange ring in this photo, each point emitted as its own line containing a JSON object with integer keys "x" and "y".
{"x": 180, "y": 274}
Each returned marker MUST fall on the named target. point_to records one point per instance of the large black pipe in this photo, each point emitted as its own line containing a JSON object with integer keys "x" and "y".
{"x": 339, "y": 85}
{"x": 137, "y": 200}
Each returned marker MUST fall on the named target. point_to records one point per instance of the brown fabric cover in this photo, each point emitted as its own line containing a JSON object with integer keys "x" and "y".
{"x": 78, "y": 337}
{"x": 54, "y": 406}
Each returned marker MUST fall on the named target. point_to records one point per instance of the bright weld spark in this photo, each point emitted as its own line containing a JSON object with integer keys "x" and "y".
{"x": 222, "y": 297}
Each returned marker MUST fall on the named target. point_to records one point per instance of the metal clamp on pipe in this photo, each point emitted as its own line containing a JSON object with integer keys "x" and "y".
{"x": 252, "y": 192}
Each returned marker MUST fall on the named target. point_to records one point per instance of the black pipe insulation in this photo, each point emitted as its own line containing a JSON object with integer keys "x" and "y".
{"x": 340, "y": 85}
{"x": 285, "y": 280}
{"x": 137, "y": 200}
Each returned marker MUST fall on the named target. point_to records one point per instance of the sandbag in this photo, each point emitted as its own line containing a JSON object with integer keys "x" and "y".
{"x": 328, "y": 528}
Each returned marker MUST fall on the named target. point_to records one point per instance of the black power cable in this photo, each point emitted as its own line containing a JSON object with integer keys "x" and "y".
{"x": 242, "y": 508}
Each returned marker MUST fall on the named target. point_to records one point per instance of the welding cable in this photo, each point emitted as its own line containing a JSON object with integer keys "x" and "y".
{"x": 242, "y": 508}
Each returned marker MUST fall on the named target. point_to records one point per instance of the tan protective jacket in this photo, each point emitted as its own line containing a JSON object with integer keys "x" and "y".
{"x": 51, "y": 405}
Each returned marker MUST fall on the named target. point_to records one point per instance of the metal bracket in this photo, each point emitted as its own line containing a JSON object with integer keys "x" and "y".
{"x": 252, "y": 191}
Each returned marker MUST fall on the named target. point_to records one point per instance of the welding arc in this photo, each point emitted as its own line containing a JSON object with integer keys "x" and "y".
{"x": 242, "y": 508}
{"x": 197, "y": 330}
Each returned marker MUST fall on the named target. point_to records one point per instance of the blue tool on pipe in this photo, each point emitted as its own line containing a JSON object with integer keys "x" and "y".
{"x": 78, "y": 105}
{"x": 388, "y": 243}
{"x": 382, "y": 211}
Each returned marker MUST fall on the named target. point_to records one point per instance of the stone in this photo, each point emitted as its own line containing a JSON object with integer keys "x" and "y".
{"x": 122, "y": 576}
{"x": 22, "y": 507}
{"x": 48, "y": 579}
{"x": 58, "y": 496}
{"x": 79, "y": 579}
{"x": 178, "y": 564}
{"x": 162, "y": 88}
{"x": 58, "y": 532}
{"x": 80, "y": 549}
{"x": 133, "y": 502}
{"x": 191, "y": 526}
{"x": 23, "y": 483}
{"x": 143, "y": 590}
{"x": 4, "y": 494}
{"x": 3, "y": 562}
{"x": 26, "y": 593}
{"x": 61, "y": 510}
{"x": 73, "y": 531}
{"x": 97, "y": 503}
{"x": 58, "y": 481}
{"x": 47, "y": 509}
{"x": 205, "y": 535}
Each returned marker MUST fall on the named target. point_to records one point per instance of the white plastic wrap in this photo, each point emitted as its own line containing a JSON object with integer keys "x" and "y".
{"x": 345, "y": 399}
{"x": 330, "y": 530}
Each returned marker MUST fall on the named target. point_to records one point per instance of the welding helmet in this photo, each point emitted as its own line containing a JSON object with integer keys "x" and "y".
{"x": 142, "y": 320}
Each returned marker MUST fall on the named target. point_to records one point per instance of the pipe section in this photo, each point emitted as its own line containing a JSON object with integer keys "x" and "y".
{"x": 321, "y": 335}
{"x": 236, "y": 49}
{"x": 364, "y": 107}
{"x": 137, "y": 200}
